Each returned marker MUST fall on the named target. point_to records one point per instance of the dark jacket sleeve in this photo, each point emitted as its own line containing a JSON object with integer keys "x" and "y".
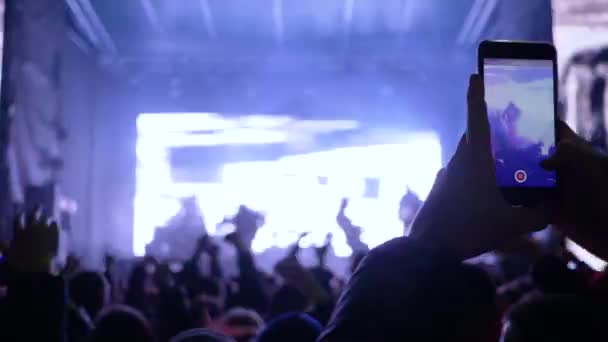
{"x": 388, "y": 293}
{"x": 251, "y": 291}
{"x": 34, "y": 309}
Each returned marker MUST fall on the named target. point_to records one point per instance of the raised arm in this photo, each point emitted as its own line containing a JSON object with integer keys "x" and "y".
{"x": 35, "y": 305}
{"x": 352, "y": 232}
{"x": 416, "y": 288}
{"x": 581, "y": 211}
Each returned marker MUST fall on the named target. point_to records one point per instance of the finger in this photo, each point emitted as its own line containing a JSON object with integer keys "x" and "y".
{"x": 478, "y": 126}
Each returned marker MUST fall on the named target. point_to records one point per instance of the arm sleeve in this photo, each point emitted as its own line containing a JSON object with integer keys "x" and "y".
{"x": 388, "y": 286}
{"x": 251, "y": 292}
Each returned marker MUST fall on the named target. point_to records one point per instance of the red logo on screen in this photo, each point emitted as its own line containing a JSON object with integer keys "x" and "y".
{"x": 520, "y": 176}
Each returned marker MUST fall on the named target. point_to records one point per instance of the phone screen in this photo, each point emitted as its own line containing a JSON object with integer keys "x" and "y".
{"x": 519, "y": 95}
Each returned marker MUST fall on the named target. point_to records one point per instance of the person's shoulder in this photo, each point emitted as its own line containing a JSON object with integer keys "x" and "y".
{"x": 401, "y": 248}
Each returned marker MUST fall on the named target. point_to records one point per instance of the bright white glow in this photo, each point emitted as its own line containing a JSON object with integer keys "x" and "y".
{"x": 265, "y": 121}
{"x": 186, "y": 122}
{"x": 230, "y": 137}
{"x": 325, "y": 125}
{"x": 287, "y": 190}
{"x": 189, "y": 122}
{"x": 585, "y": 256}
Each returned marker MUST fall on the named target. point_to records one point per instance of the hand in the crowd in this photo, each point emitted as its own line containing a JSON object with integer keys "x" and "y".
{"x": 343, "y": 204}
{"x": 583, "y": 180}
{"x": 35, "y": 243}
{"x": 290, "y": 269}
{"x": 343, "y": 221}
{"x": 321, "y": 252}
{"x": 235, "y": 240}
{"x": 465, "y": 214}
{"x": 580, "y": 210}
{"x": 247, "y": 222}
{"x": 205, "y": 245}
{"x": 295, "y": 247}
{"x": 72, "y": 265}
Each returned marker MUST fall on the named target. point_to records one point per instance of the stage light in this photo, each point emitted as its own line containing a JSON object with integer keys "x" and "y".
{"x": 287, "y": 190}
{"x": 264, "y": 121}
{"x": 235, "y": 136}
{"x": 585, "y": 256}
{"x": 152, "y": 123}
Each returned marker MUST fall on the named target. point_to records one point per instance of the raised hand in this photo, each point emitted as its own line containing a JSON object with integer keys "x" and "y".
{"x": 35, "y": 243}
{"x": 295, "y": 247}
{"x": 247, "y": 223}
{"x": 205, "y": 245}
{"x": 290, "y": 269}
{"x": 72, "y": 265}
{"x": 351, "y": 231}
{"x": 343, "y": 204}
{"x": 321, "y": 252}
{"x": 465, "y": 214}
{"x": 343, "y": 221}
{"x": 583, "y": 180}
{"x": 580, "y": 210}
{"x": 235, "y": 240}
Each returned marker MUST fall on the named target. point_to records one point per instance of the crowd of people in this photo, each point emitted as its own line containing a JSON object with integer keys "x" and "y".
{"x": 419, "y": 287}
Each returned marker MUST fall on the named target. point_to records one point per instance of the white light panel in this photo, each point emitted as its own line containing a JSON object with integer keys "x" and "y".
{"x": 286, "y": 190}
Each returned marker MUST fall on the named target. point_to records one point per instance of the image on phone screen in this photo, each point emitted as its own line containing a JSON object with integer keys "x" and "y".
{"x": 519, "y": 95}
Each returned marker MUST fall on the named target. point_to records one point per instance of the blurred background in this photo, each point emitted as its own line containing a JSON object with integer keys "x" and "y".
{"x": 118, "y": 110}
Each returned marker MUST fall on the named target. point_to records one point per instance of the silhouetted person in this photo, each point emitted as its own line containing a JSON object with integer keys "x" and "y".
{"x": 555, "y": 318}
{"x": 293, "y": 327}
{"x": 119, "y": 323}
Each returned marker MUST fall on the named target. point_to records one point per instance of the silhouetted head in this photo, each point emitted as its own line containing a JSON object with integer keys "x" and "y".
{"x": 554, "y": 318}
{"x": 287, "y": 299}
{"x": 89, "y": 290}
{"x": 293, "y": 327}
{"x": 242, "y": 324}
{"x": 408, "y": 207}
{"x": 200, "y": 335}
{"x": 120, "y": 323}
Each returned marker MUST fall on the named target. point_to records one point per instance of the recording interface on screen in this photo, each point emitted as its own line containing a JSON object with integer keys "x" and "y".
{"x": 519, "y": 95}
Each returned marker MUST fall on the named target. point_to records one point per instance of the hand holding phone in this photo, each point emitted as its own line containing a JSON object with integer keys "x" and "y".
{"x": 465, "y": 213}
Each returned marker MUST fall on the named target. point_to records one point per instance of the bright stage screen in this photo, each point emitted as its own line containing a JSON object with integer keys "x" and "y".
{"x": 294, "y": 171}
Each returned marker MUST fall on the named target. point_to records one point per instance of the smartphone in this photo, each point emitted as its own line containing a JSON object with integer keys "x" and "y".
{"x": 520, "y": 81}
